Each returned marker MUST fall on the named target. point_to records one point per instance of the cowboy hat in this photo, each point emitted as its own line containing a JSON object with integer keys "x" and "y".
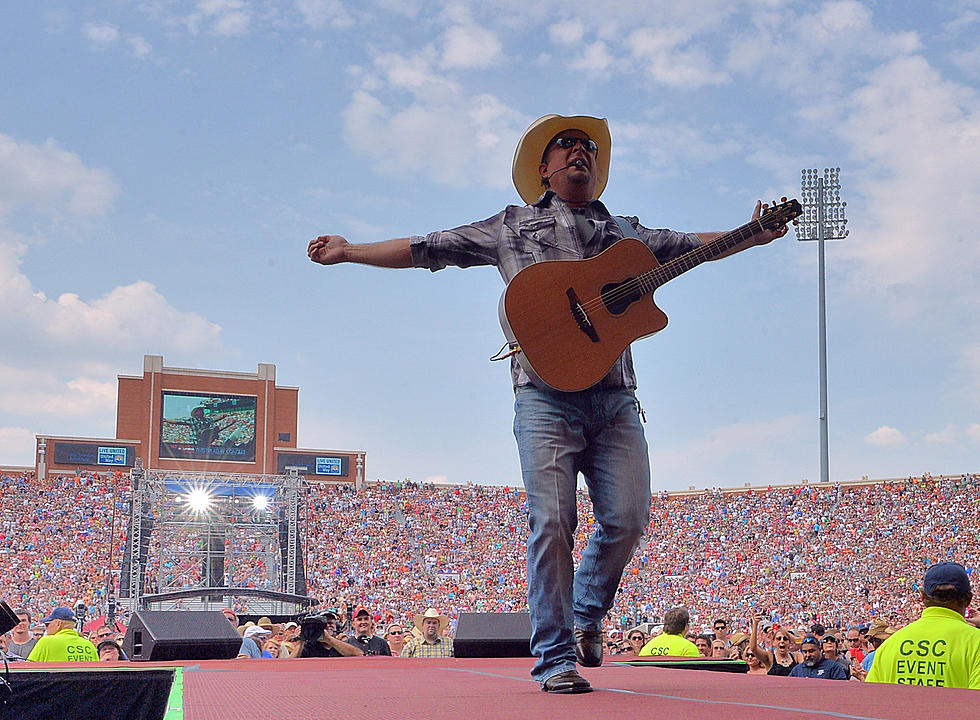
{"x": 534, "y": 142}
{"x": 431, "y": 613}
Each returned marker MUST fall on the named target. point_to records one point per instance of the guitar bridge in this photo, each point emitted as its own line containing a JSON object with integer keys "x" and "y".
{"x": 581, "y": 317}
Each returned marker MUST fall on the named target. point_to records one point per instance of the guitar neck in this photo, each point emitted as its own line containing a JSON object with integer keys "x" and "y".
{"x": 709, "y": 251}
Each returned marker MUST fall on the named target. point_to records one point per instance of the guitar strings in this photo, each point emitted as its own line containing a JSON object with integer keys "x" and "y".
{"x": 662, "y": 273}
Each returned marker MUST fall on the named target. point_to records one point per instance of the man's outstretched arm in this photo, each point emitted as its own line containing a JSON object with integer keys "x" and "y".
{"x": 334, "y": 249}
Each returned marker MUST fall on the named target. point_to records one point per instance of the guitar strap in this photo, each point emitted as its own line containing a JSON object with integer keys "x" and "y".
{"x": 625, "y": 227}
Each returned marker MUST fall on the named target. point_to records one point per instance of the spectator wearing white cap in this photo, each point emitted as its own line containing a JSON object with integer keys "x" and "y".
{"x": 252, "y": 642}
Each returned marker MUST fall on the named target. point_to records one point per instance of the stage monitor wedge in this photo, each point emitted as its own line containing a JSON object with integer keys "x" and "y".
{"x": 493, "y": 635}
{"x": 181, "y": 635}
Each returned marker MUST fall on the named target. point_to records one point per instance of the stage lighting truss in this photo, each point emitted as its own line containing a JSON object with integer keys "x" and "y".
{"x": 216, "y": 530}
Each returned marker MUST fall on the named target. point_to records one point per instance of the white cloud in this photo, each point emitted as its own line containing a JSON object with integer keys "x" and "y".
{"x": 661, "y": 51}
{"x": 408, "y": 117}
{"x": 664, "y": 146}
{"x": 47, "y": 177}
{"x": 55, "y": 354}
{"x": 595, "y": 58}
{"x": 101, "y": 35}
{"x": 947, "y": 436}
{"x": 221, "y": 17}
{"x": 139, "y": 46}
{"x": 129, "y": 318}
{"x": 320, "y": 13}
{"x": 470, "y": 46}
{"x": 566, "y": 32}
{"x": 885, "y": 436}
{"x": 916, "y": 137}
{"x": 44, "y": 393}
{"x": 16, "y": 446}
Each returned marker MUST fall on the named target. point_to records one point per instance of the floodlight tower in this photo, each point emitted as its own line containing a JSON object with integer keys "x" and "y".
{"x": 822, "y": 219}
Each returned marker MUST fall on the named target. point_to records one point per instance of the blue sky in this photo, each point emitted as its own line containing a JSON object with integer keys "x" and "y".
{"x": 163, "y": 165}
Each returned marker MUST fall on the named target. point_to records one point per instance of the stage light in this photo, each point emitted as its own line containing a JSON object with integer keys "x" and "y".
{"x": 199, "y": 500}
{"x": 260, "y": 502}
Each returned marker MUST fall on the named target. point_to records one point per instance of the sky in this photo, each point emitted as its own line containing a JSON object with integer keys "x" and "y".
{"x": 164, "y": 163}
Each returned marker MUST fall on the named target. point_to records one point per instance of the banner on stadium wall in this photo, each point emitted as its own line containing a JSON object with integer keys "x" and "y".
{"x": 73, "y": 453}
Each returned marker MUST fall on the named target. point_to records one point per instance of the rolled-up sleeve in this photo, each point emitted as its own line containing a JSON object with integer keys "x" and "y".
{"x": 465, "y": 246}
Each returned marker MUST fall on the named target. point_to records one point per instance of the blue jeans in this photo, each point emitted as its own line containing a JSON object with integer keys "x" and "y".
{"x": 596, "y": 432}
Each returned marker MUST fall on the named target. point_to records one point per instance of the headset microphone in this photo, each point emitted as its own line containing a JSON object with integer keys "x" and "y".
{"x": 576, "y": 163}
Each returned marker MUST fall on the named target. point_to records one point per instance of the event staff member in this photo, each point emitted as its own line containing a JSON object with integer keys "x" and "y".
{"x": 672, "y": 642}
{"x": 62, "y": 643}
{"x": 595, "y": 432}
{"x": 940, "y": 648}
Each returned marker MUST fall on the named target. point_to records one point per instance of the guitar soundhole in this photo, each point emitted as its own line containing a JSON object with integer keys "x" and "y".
{"x": 617, "y": 302}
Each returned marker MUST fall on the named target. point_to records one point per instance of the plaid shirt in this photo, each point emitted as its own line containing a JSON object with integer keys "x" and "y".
{"x": 418, "y": 647}
{"x": 547, "y": 230}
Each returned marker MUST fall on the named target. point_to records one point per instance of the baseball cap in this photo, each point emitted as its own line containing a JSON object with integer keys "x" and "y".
{"x": 361, "y": 611}
{"x": 61, "y": 613}
{"x": 946, "y": 573}
{"x": 257, "y": 630}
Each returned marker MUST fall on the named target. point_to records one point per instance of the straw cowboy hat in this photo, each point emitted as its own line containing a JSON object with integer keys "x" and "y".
{"x": 534, "y": 142}
{"x": 431, "y": 613}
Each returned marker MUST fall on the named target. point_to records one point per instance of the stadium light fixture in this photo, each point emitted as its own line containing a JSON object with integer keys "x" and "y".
{"x": 199, "y": 500}
{"x": 823, "y": 219}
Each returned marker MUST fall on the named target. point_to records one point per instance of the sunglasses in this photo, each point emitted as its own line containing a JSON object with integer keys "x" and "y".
{"x": 569, "y": 142}
{"x": 396, "y": 632}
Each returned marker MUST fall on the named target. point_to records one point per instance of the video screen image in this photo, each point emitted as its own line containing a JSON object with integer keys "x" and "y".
{"x": 198, "y": 426}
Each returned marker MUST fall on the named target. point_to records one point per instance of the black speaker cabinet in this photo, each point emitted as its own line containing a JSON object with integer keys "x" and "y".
{"x": 493, "y": 635}
{"x": 181, "y": 635}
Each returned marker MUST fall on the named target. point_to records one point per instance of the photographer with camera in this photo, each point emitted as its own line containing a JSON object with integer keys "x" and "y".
{"x": 318, "y": 638}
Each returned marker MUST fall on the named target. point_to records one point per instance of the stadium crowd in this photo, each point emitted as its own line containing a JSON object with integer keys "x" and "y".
{"x": 838, "y": 556}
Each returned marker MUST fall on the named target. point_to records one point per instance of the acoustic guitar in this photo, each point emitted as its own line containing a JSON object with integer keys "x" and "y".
{"x": 568, "y": 321}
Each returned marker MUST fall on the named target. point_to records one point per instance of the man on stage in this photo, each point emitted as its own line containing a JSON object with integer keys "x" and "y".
{"x": 560, "y": 169}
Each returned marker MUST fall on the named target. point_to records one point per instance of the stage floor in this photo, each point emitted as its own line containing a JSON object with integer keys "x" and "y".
{"x": 374, "y": 688}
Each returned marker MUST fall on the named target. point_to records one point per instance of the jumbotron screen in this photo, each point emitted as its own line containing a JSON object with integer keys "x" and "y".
{"x": 198, "y": 426}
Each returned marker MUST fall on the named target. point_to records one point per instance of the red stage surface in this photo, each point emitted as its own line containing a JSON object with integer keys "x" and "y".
{"x": 373, "y": 688}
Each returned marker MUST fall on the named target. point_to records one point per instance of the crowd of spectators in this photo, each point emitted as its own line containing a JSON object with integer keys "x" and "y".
{"x": 837, "y": 555}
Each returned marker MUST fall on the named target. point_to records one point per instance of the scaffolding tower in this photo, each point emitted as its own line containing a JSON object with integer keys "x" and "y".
{"x": 235, "y": 536}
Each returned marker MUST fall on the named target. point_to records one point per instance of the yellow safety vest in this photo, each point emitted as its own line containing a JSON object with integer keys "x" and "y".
{"x": 938, "y": 649}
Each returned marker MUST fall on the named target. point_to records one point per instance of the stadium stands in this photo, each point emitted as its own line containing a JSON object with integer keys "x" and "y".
{"x": 840, "y": 554}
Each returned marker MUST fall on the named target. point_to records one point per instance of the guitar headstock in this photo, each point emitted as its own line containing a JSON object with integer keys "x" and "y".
{"x": 781, "y": 214}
